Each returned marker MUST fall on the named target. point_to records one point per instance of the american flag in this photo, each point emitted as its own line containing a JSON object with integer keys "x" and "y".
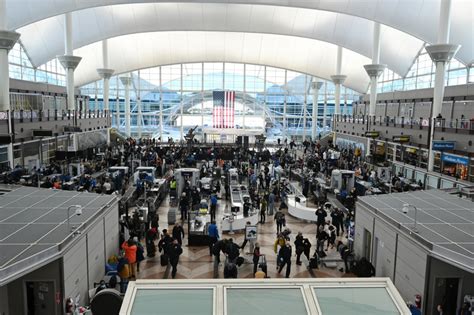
{"x": 223, "y": 109}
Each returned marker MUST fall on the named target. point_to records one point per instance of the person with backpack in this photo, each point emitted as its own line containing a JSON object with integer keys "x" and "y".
{"x": 140, "y": 252}
{"x": 150, "y": 237}
{"x": 280, "y": 220}
{"x": 285, "y": 258}
{"x": 178, "y": 233}
{"x": 174, "y": 251}
{"x": 232, "y": 251}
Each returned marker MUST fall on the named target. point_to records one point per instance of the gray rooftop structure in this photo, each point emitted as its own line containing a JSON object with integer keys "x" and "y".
{"x": 445, "y": 222}
{"x": 33, "y": 225}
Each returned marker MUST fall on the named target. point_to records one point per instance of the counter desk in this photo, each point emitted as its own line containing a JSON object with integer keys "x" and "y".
{"x": 239, "y": 221}
{"x": 300, "y": 210}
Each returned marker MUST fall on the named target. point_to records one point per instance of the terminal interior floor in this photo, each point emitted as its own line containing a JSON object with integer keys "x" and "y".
{"x": 196, "y": 263}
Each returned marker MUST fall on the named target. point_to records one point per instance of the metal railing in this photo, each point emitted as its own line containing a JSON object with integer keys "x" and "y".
{"x": 452, "y": 125}
{"x": 23, "y": 116}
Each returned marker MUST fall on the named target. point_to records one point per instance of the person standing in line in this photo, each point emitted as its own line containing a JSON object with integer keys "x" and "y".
{"x": 271, "y": 203}
{"x": 213, "y": 206}
{"x": 178, "y": 233}
{"x": 285, "y": 258}
{"x": 321, "y": 217}
{"x": 174, "y": 252}
{"x": 213, "y": 234}
{"x": 130, "y": 249}
{"x": 337, "y": 220}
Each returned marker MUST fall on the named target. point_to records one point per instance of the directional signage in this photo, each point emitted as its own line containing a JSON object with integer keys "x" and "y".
{"x": 455, "y": 159}
{"x": 401, "y": 138}
{"x": 372, "y": 134}
{"x": 443, "y": 145}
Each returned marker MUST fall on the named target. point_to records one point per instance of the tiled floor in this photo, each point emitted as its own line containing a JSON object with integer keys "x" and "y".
{"x": 195, "y": 262}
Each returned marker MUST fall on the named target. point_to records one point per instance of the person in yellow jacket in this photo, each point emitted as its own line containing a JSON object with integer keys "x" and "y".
{"x": 279, "y": 243}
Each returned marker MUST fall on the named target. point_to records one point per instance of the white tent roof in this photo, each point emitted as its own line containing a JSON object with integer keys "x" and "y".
{"x": 347, "y": 23}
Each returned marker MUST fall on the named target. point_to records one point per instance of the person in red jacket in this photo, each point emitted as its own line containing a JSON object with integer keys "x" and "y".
{"x": 130, "y": 249}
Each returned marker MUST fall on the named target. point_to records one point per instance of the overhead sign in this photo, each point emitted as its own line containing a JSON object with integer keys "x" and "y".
{"x": 454, "y": 159}
{"x": 372, "y": 134}
{"x": 443, "y": 145}
{"x": 401, "y": 138}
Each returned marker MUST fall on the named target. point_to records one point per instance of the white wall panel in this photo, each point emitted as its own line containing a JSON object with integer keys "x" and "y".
{"x": 75, "y": 271}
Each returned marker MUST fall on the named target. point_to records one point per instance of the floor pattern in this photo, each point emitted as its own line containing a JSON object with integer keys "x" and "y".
{"x": 196, "y": 263}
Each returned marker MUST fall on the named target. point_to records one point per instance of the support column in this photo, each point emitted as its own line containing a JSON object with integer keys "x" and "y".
{"x": 316, "y": 86}
{"x": 139, "y": 108}
{"x": 325, "y": 107}
{"x": 441, "y": 53}
{"x": 338, "y": 80}
{"x": 7, "y": 41}
{"x": 126, "y": 81}
{"x": 375, "y": 69}
{"x": 69, "y": 63}
{"x": 105, "y": 73}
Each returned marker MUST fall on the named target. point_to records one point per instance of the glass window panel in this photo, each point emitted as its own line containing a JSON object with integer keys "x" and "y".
{"x": 254, "y": 78}
{"x": 192, "y": 77}
{"x": 234, "y": 77}
{"x": 355, "y": 301}
{"x": 213, "y": 76}
{"x": 173, "y": 301}
{"x": 274, "y": 301}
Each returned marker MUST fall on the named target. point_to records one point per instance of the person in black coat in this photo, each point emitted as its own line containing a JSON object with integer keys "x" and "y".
{"x": 174, "y": 251}
{"x": 285, "y": 258}
{"x": 232, "y": 251}
{"x": 178, "y": 233}
{"x": 320, "y": 217}
{"x": 302, "y": 246}
{"x": 338, "y": 220}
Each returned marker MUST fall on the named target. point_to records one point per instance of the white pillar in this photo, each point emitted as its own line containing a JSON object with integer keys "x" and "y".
{"x": 7, "y": 41}
{"x": 105, "y": 73}
{"x": 126, "y": 83}
{"x": 325, "y": 108}
{"x": 375, "y": 69}
{"x": 69, "y": 61}
{"x": 316, "y": 86}
{"x": 338, "y": 80}
{"x": 139, "y": 108}
{"x": 441, "y": 53}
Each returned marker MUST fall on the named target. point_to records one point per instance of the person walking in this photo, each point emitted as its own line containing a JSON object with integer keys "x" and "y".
{"x": 183, "y": 206}
{"x": 251, "y": 241}
{"x": 140, "y": 252}
{"x": 258, "y": 259}
{"x": 174, "y": 252}
{"x": 279, "y": 243}
{"x": 232, "y": 251}
{"x": 280, "y": 220}
{"x": 178, "y": 233}
{"x": 271, "y": 203}
{"x": 213, "y": 234}
{"x": 302, "y": 246}
{"x": 263, "y": 210}
{"x": 213, "y": 206}
{"x": 285, "y": 258}
{"x": 130, "y": 249}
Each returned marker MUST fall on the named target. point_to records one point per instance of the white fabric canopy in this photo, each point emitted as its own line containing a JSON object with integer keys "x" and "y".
{"x": 407, "y": 25}
{"x": 159, "y": 48}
